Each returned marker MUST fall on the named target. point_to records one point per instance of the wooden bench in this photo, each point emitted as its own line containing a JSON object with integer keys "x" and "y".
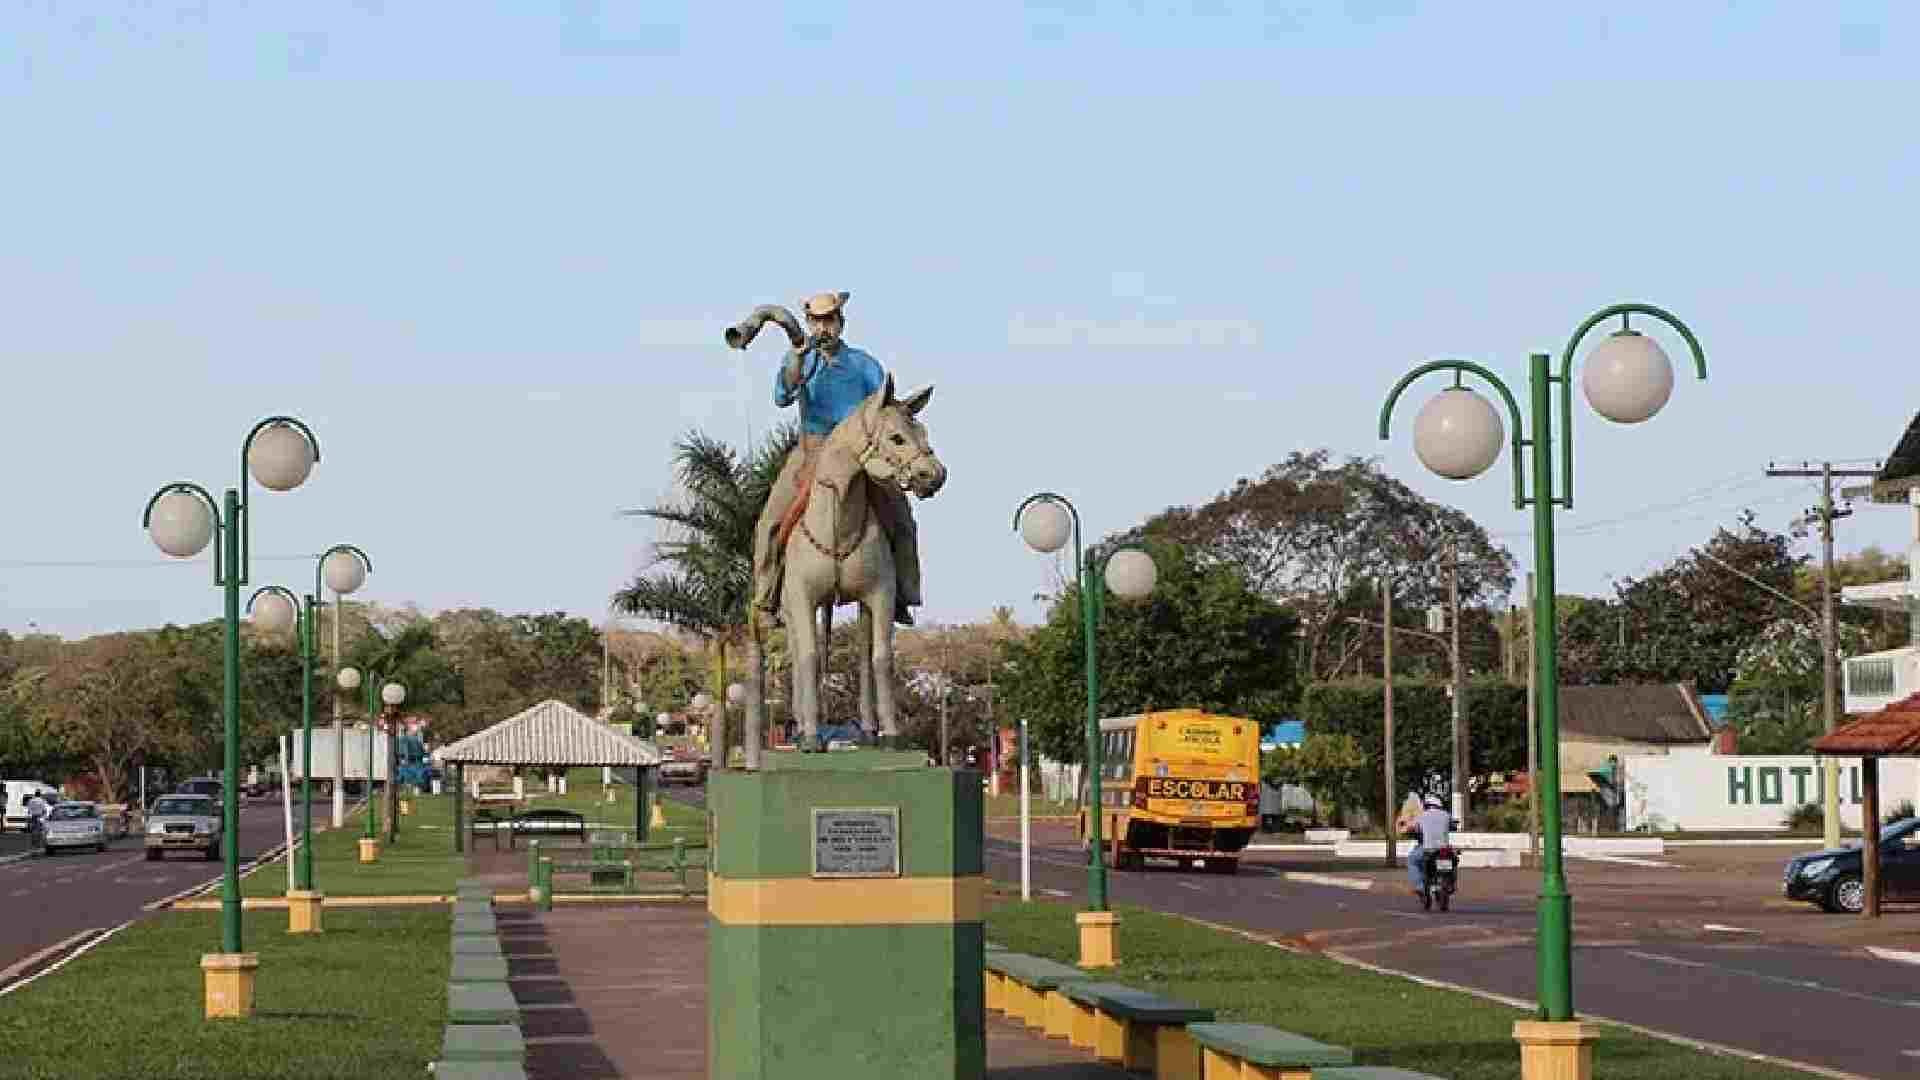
{"x": 1135, "y": 1028}
{"x": 1027, "y": 988}
{"x": 1368, "y": 1072}
{"x": 549, "y": 822}
{"x": 1258, "y": 1052}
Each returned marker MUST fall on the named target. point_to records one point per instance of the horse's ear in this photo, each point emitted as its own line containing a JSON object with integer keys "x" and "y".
{"x": 886, "y": 392}
{"x": 917, "y": 400}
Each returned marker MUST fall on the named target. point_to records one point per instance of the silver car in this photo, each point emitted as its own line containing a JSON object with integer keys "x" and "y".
{"x": 74, "y": 825}
{"x": 191, "y": 822}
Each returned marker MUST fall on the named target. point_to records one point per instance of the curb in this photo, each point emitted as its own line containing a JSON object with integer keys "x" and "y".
{"x": 15, "y": 970}
{"x": 1900, "y": 956}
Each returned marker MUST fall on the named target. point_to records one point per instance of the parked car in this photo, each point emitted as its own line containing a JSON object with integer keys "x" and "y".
{"x": 1832, "y": 878}
{"x": 190, "y": 822}
{"x": 684, "y": 767}
{"x": 74, "y": 825}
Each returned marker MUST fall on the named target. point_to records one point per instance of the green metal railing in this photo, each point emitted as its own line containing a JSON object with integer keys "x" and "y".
{"x": 613, "y": 857}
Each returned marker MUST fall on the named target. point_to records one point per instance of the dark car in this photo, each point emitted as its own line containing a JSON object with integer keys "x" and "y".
{"x": 1832, "y": 878}
{"x": 205, "y": 785}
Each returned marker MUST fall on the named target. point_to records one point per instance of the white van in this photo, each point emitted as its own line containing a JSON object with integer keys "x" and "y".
{"x": 13, "y": 804}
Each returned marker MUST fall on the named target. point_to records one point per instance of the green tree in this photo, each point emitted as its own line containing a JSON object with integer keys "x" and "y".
{"x": 1422, "y": 729}
{"x": 1317, "y": 536}
{"x": 1203, "y": 640}
{"x": 1329, "y": 767}
{"x": 701, "y": 579}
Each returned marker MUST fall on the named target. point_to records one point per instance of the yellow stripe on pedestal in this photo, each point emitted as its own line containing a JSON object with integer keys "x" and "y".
{"x": 847, "y": 901}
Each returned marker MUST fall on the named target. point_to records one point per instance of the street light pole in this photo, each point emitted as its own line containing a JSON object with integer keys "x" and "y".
{"x": 1047, "y": 530}
{"x": 345, "y": 568}
{"x": 182, "y": 517}
{"x": 1627, "y": 379}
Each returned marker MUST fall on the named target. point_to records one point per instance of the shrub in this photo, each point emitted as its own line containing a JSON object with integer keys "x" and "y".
{"x": 1900, "y": 812}
{"x": 1807, "y": 817}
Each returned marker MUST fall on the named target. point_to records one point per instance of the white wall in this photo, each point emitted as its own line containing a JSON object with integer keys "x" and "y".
{"x": 323, "y": 755}
{"x": 1667, "y": 792}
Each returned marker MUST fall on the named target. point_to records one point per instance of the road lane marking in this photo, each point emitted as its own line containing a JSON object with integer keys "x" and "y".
{"x": 1728, "y": 929}
{"x": 1621, "y": 859}
{"x": 1900, "y": 955}
{"x": 1189, "y": 885}
{"x": 1056, "y": 892}
{"x": 1358, "y": 884}
{"x": 1803, "y": 984}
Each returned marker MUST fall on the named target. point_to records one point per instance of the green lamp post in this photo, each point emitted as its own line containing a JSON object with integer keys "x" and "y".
{"x": 275, "y": 609}
{"x": 1627, "y": 379}
{"x": 1046, "y": 522}
{"x": 182, "y": 517}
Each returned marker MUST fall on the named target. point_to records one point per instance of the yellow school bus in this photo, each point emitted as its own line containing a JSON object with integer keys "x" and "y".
{"x": 1181, "y": 784}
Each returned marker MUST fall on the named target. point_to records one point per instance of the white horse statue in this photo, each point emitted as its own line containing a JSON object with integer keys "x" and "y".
{"x": 838, "y": 554}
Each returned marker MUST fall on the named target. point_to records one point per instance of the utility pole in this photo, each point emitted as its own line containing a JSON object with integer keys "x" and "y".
{"x": 1460, "y": 764}
{"x": 1829, "y": 671}
{"x": 946, "y": 691}
{"x": 1533, "y": 732}
{"x": 1386, "y": 602}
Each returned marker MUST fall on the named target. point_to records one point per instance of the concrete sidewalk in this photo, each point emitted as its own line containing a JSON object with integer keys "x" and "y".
{"x": 620, "y": 990}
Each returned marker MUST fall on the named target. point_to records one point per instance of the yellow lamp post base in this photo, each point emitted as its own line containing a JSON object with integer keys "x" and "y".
{"x": 406, "y": 807}
{"x": 369, "y": 849}
{"x": 303, "y": 911}
{"x": 1099, "y": 944}
{"x": 1555, "y": 1050}
{"x": 229, "y": 980}
{"x": 656, "y": 820}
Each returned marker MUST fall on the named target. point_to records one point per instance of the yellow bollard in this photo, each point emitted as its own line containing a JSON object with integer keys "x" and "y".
{"x": 229, "y": 983}
{"x": 303, "y": 911}
{"x": 369, "y": 849}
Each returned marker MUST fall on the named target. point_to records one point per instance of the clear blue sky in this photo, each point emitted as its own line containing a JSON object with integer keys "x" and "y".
{"x": 487, "y": 250}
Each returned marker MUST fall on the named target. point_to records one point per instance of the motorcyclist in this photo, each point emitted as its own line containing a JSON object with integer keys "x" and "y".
{"x": 37, "y": 811}
{"x": 1430, "y": 831}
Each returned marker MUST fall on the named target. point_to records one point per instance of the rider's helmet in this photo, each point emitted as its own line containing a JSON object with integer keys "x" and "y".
{"x": 1432, "y": 802}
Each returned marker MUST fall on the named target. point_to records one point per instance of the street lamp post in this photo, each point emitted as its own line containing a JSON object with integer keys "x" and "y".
{"x": 1627, "y": 378}
{"x": 344, "y": 568}
{"x": 182, "y": 517}
{"x": 392, "y": 694}
{"x": 1046, "y": 521}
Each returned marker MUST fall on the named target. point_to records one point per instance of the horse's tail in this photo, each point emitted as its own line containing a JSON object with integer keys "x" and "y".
{"x": 739, "y": 337}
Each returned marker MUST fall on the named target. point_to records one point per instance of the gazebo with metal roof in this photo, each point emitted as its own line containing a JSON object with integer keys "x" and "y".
{"x": 550, "y": 735}
{"x": 1891, "y": 732}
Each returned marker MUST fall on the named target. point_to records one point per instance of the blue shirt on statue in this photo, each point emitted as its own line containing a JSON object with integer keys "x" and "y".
{"x": 834, "y": 388}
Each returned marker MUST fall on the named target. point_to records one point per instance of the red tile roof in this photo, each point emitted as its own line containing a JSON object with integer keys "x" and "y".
{"x": 1894, "y": 730}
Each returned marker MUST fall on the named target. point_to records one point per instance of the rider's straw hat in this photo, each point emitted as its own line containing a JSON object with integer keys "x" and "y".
{"x": 823, "y": 304}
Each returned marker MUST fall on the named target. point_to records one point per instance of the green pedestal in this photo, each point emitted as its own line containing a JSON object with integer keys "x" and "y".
{"x": 811, "y": 974}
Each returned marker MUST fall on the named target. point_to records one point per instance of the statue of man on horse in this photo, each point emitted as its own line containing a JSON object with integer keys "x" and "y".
{"x": 837, "y": 527}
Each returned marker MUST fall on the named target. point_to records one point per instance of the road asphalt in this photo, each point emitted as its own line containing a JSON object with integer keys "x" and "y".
{"x": 47, "y": 900}
{"x": 1700, "y": 947}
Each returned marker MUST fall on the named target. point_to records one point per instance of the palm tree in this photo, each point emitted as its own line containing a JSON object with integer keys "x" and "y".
{"x": 701, "y": 578}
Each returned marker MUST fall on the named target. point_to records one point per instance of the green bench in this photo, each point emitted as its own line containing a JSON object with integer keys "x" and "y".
{"x": 1027, "y": 988}
{"x": 478, "y": 1070}
{"x": 479, "y": 969}
{"x": 1369, "y": 1072}
{"x": 1135, "y": 1028}
{"x": 484, "y": 945}
{"x": 481, "y": 1003}
{"x": 496, "y": 1044}
{"x": 1259, "y": 1052}
{"x": 474, "y": 925}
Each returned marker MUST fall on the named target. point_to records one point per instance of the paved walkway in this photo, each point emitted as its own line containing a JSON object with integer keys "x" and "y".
{"x": 620, "y": 990}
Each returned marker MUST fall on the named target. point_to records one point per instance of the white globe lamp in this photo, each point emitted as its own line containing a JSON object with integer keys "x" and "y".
{"x": 736, "y": 694}
{"x": 273, "y": 612}
{"x": 393, "y": 693}
{"x": 1045, "y": 526}
{"x": 181, "y": 524}
{"x": 1131, "y": 573}
{"x": 343, "y": 572}
{"x": 1627, "y": 377}
{"x": 280, "y": 457}
{"x": 663, "y": 719}
{"x": 1457, "y": 434}
{"x": 701, "y": 700}
{"x": 348, "y": 679}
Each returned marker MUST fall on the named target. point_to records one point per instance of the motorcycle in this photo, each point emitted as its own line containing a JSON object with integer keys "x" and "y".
{"x": 1442, "y": 876}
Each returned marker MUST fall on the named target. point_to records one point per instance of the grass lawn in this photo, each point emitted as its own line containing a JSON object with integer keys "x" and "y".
{"x": 1385, "y": 1020}
{"x": 365, "y": 1000}
{"x": 1008, "y": 806}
